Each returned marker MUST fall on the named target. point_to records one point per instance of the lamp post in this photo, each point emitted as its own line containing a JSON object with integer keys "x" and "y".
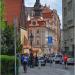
{"x": 65, "y": 47}
{"x": 31, "y": 39}
{"x": 31, "y": 54}
{"x": 15, "y": 23}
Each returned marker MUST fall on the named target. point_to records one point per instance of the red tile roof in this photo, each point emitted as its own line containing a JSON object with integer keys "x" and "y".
{"x": 47, "y": 13}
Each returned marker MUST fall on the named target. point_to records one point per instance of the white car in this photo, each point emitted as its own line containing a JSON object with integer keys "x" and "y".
{"x": 57, "y": 59}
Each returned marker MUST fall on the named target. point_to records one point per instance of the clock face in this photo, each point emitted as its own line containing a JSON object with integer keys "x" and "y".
{"x": 34, "y": 23}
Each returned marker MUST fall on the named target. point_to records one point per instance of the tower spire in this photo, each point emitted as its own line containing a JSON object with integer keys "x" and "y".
{"x": 37, "y": 1}
{"x": 37, "y": 8}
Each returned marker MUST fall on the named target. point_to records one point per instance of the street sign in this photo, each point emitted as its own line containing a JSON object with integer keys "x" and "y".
{"x": 50, "y": 40}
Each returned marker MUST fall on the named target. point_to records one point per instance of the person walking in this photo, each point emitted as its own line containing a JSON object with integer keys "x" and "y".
{"x": 65, "y": 60}
{"x": 31, "y": 58}
{"x": 25, "y": 62}
{"x": 36, "y": 60}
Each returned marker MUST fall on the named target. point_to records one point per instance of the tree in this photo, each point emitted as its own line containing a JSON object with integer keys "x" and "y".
{"x": 19, "y": 45}
{"x": 2, "y": 22}
{"x": 7, "y": 35}
{"x": 7, "y": 42}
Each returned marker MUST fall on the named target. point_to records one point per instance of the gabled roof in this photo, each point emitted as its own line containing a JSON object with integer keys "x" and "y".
{"x": 46, "y": 9}
{"x": 46, "y": 12}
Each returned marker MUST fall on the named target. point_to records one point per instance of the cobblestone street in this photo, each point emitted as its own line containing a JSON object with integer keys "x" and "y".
{"x": 48, "y": 70}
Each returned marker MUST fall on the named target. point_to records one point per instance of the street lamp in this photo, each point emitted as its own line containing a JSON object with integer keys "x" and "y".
{"x": 65, "y": 46}
{"x": 31, "y": 39}
{"x": 31, "y": 54}
{"x": 15, "y": 24}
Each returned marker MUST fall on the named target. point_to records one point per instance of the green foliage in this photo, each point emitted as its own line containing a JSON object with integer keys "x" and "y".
{"x": 7, "y": 35}
{"x": 1, "y": 8}
{"x": 19, "y": 46}
{"x": 7, "y": 41}
{"x": 8, "y": 64}
{"x": 2, "y": 22}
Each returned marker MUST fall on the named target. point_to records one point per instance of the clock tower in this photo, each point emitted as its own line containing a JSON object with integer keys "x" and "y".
{"x": 37, "y": 8}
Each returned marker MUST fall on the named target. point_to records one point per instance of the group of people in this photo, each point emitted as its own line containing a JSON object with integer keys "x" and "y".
{"x": 29, "y": 60}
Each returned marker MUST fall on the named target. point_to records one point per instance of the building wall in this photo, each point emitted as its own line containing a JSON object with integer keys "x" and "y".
{"x": 24, "y": 34}
{"x": 50, "y": 27}
{"x": 44, "y": 32}
{"x": 12, "y": 8}
{"x": 68, "y": 24}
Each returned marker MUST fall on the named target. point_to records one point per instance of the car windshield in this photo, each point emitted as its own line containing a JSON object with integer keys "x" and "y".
{"x": 59, "y": 56}
{"x": 41, "y": 58}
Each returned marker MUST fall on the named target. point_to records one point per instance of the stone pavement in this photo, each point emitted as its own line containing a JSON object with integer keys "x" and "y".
{"x": 47, "y": 70}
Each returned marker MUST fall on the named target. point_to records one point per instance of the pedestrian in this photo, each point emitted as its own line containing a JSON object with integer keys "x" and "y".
{"x": 36, "y": 60}
{"x": 45, "y": 59}
{"x": 31, "y": 58}
{"x": 50, "y": 61}
{"x": 65, "y": 60}
{"x": 39, "y": 61}
{"x": 25, "y": 62}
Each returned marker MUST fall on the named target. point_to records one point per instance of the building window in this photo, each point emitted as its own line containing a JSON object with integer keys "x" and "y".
{"x": 70, "y": 5}
{"x": 38, "y": 42}
{"x": 66, "y": 50}
{"x": 38, "y": 31}
{"x": 71, "y": 40}
{"x": 64, "y": 26}
{"x": 65, "y": 11}
{"x": 70, "y": 22}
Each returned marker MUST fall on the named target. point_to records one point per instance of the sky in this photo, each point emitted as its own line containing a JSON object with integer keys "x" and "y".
{"x": 54, "y": 4}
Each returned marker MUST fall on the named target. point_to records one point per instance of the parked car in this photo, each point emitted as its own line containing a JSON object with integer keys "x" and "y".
{"x": 57, "y": 58}
{"x": 42, "y": 61}
{"x": 71, "y": 61}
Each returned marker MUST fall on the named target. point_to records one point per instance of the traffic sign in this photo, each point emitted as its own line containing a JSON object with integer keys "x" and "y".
{"x": 50, "y": 41}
